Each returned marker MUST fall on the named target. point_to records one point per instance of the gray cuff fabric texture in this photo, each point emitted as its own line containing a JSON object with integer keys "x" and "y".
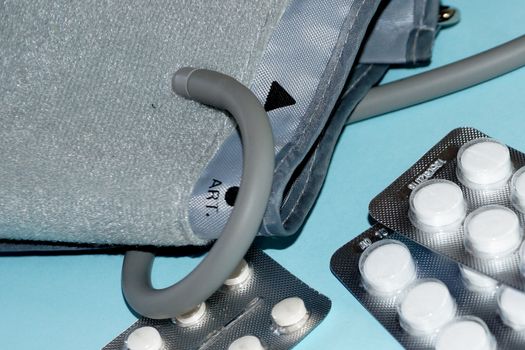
{"x": 95, "y": 148}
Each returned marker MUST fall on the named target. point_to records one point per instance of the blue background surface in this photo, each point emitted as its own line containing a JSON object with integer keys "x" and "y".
{"x": 75, "y": 302}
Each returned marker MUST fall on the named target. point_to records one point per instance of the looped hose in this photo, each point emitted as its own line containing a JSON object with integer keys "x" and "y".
{"x": 223, "y": 92}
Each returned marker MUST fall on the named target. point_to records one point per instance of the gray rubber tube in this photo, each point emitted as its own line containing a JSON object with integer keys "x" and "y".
{"x": 223, "y": 92}
{"x": 441, "y": 81}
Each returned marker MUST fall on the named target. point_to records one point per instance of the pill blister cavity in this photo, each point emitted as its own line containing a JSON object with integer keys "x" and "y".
{"x": 511, "y": 306}
{"x": 437, "y": 205}
{"x": 243, "y": 312}
{"x": 191, "y": 317}
{"x": 240, "y": 275}
{"x": 477, "y": 281}
{"x": 465, "y": 333}
{"x": 248, "y": 342}
{"x": 289, "y": 314}
{"x": 484, "y": 164}
{"x": 492, "y": 231}
{"x": 144, "y": 338}
{"x": 518, "y": 190}
{"x": 426, "y": 306}
{"x": 387, "y": 267}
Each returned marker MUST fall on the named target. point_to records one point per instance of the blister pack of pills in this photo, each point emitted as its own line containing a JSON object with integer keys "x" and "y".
{"x": 262, "y": 306}
{"x": 426, "y": 300}
{"x": 465, "y": 198}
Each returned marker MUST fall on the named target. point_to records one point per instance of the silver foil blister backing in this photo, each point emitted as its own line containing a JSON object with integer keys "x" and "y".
{"x": 391, "y": 207}
{"x": 233, "y": 312}
{"x": 345, "y": 266}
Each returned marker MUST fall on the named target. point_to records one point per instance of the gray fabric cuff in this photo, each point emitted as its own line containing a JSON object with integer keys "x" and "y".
{"x": 31, "y": 210}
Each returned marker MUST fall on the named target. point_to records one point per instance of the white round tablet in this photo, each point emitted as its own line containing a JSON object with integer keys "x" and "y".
{"x": 437, "y": 205}
{"x": 465, "y": 333}
{"x": 289, "y": 312}
{"x": 511, "y": 306}
{"x": 248, "y": 342}
{"x": 144, "y": 338}
{"x": 492, "y": 231}
{"x": 477, "y": 281}
{"x": 387, "y": 267}
{"x": 240, "y": 275}
{"x": 518, "y": 190}
{"x": 425, "y": 307}
{"x": 484, "y": 163}
{"x": 191, "y": 317}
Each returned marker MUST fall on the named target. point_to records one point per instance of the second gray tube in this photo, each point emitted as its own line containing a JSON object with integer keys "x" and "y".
{"x": 441, "y": 81}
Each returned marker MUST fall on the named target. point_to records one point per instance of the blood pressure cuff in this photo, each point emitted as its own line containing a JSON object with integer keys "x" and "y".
{"x": 95, "y": 149}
